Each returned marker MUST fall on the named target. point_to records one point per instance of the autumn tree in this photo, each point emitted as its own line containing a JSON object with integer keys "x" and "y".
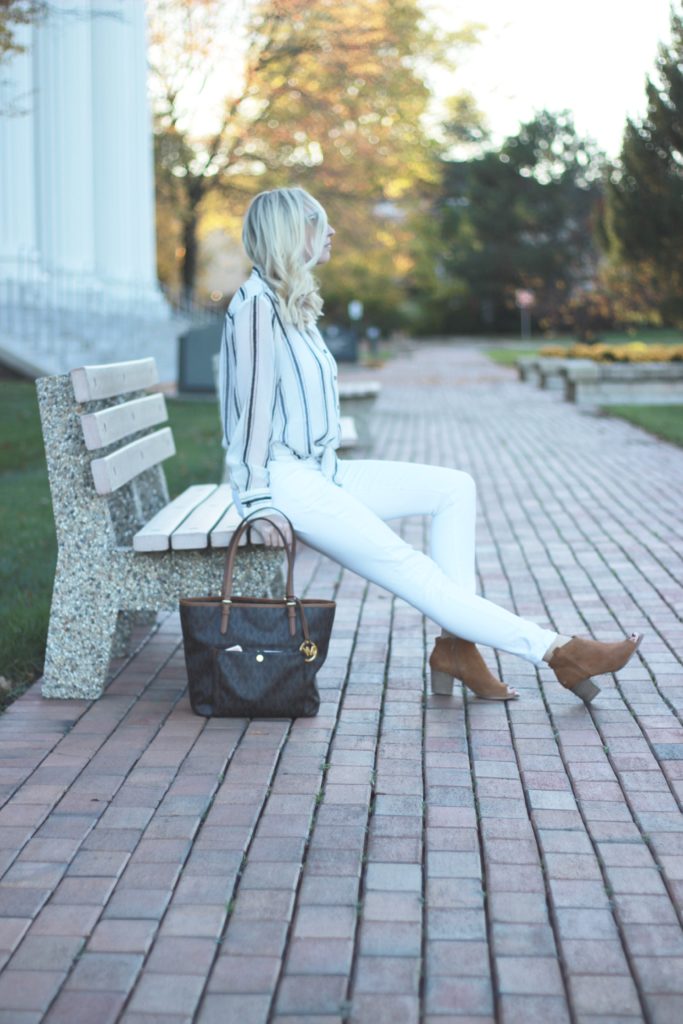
{"x": 644, "y": 213}
{"x": 329, "y": 96}
{"x": 12, "y": 14}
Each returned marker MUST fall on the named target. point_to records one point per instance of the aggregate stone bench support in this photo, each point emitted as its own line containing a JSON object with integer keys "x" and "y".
{"x": 100, "y": 581}
{"x": 88, "y": 596}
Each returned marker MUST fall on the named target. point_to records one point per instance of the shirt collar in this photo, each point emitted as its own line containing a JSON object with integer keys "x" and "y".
{"x": 261, "y": 276}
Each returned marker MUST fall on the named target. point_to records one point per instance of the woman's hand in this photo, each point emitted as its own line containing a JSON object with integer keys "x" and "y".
{"x": 268, "y": 534}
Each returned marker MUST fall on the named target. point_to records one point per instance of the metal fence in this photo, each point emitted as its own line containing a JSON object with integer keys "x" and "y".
{"x": 56, "y": 316}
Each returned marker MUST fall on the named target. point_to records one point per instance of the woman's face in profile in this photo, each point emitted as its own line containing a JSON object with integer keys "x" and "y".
{"x": 326, "y": 254}
{"x": 311, "y": 222}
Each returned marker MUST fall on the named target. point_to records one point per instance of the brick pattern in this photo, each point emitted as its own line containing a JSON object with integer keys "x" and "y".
{"x": 402, "y": 856}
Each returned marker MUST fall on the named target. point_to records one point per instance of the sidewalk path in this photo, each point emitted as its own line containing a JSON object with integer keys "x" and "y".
{"x": 400, "y": 858}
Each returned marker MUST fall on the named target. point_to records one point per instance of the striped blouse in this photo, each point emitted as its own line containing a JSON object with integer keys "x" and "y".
{"x": 277, "y": 390}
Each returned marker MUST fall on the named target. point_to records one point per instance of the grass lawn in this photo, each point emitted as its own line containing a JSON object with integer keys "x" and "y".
{"x": 28, "y": 548}
{"x": 665, "y": 421}
{"x": 509, "y": 356}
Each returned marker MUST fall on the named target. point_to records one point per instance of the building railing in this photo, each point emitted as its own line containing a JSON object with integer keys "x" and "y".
{"x": 56, "y": 313}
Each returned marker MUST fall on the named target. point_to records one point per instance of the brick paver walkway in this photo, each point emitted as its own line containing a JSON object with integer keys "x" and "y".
{"x": 399, "y": 858}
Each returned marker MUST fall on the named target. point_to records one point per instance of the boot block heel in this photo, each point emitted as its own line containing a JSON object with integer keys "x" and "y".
{"x": 586, "y": 690}
{"x": 442, "y": 683}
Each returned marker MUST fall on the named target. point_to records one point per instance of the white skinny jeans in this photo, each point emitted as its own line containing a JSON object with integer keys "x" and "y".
{"x": 347, "y": 522}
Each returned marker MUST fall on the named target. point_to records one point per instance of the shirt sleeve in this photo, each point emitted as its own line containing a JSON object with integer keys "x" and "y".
{"x": 254, "y": 383}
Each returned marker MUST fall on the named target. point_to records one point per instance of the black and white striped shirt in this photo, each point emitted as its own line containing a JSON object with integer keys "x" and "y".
{"x": 277, "y": 391}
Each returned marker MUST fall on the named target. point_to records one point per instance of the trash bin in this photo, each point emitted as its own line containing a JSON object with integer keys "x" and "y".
{"x": 342, "y": 342}
{"x": 196, "y": 350}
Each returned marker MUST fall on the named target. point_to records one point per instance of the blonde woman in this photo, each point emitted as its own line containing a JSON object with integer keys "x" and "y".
{"x": 280, "y": 414}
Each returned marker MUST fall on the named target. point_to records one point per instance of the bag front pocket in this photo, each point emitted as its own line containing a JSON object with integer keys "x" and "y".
{"x": 261, "y": 682}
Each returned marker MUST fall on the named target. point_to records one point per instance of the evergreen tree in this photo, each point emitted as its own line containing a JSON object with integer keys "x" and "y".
{"x": 644, "y": 212}
{"x": 519, "y": 216}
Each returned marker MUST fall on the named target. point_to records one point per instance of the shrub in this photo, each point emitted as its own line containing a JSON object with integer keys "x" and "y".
{"x": 631, "y": 352}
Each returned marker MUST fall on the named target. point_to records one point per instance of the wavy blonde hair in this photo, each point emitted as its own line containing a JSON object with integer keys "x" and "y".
{"x": 284, "y": 233}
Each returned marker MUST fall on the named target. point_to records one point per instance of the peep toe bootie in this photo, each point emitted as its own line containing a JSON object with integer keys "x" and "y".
{"x": 580, "y": 658}
{"x": 454, "y": 658}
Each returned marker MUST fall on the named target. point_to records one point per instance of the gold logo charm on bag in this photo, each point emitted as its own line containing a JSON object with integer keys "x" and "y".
{"x": 309, "y": 650}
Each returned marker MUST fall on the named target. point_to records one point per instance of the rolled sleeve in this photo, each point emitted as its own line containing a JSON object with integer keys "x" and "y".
{"x": 254, "y": 392}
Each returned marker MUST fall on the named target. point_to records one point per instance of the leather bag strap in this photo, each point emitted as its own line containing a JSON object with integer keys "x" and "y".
{"x": 231, "y": 554}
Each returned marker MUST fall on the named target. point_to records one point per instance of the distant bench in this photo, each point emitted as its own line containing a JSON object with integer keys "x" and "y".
{"x": 124, "y": 549}
{"x": 545, "y": 371}
{"x": 590, "y": 384}
{"x": 357, "y": 399}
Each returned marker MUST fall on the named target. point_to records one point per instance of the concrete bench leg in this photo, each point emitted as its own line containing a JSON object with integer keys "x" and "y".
{"x": 125, "y": 625}
{"x": 79, "y": 640}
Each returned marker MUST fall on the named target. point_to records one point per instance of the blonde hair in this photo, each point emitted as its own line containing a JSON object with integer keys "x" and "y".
{"x": 284, "y": 232}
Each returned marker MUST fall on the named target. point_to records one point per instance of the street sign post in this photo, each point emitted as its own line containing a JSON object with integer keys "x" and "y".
{"x": 526, "y": 300}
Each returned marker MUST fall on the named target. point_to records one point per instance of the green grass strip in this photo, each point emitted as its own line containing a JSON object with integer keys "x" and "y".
{"x": 665, "y": 421}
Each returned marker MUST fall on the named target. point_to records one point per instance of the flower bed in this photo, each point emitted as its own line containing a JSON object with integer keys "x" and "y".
{"x": 631, "y": 352}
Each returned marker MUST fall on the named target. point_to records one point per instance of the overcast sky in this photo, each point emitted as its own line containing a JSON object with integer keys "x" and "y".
{"x": 588, "y": 56}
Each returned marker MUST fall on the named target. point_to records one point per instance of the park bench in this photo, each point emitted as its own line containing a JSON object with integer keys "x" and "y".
{"x": 356, "y": 400}
{"x": 544, "y": 371}
{"x": 591, "y": 384}
{"x": 527, "y": 370}
{"x": 124, "y": 549}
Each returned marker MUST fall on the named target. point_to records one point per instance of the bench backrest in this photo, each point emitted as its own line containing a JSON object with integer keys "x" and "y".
{"x": 93, "y": 410}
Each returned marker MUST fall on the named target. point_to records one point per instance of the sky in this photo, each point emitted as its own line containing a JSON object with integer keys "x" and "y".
{"x": 588, "y": 56}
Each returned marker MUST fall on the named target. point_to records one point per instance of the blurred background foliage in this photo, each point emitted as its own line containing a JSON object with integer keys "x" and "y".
{"x": 437, "y": 227}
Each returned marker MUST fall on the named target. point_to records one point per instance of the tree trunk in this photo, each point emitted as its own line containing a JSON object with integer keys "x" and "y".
{"x": 188, "y": 269}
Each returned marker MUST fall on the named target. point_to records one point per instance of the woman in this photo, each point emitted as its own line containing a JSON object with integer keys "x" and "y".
{"x": 280, "y": 415}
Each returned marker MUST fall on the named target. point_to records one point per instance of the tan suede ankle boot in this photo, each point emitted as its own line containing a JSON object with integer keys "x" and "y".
{"x": 576, "y": 661}
{"x": 454, "y": 658}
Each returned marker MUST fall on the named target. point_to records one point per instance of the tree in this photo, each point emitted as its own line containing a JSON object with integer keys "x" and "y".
{"x": 519, "y": 216}
{"x": 643, "y": 229}
{"x": 330, "y": 97}
{"x": 12, "y": 14}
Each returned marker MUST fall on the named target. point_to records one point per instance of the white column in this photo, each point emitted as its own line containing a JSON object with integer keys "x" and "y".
{"x": 17, "y": 212}
{"x": 122, "y": 150}
{"x": 64, "y": 138}
{"x": 142, "y": 168}
{"x": 112, "y": 142}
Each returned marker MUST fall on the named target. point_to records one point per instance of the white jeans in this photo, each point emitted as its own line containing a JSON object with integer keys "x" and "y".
{"x": 346, "y": 521}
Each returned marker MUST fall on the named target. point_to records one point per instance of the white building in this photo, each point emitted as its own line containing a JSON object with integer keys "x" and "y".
{"x": 78, "y": 276}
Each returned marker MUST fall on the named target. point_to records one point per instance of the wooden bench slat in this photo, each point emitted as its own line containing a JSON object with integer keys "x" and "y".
{"x": 225, "y": 527}
{"x": 113, "y": 471}
{"x": 110, "y": 425}
{"x": 156, "y": 534}
{"x": 92, "y": 382}
{"x": 194, "y": 531}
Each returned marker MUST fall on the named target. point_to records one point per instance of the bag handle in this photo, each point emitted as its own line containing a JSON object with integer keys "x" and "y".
{"x": 231, "y": 554}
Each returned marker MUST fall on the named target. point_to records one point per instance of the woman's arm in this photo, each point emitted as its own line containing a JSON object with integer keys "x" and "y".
{"x": 253, "y": 384}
